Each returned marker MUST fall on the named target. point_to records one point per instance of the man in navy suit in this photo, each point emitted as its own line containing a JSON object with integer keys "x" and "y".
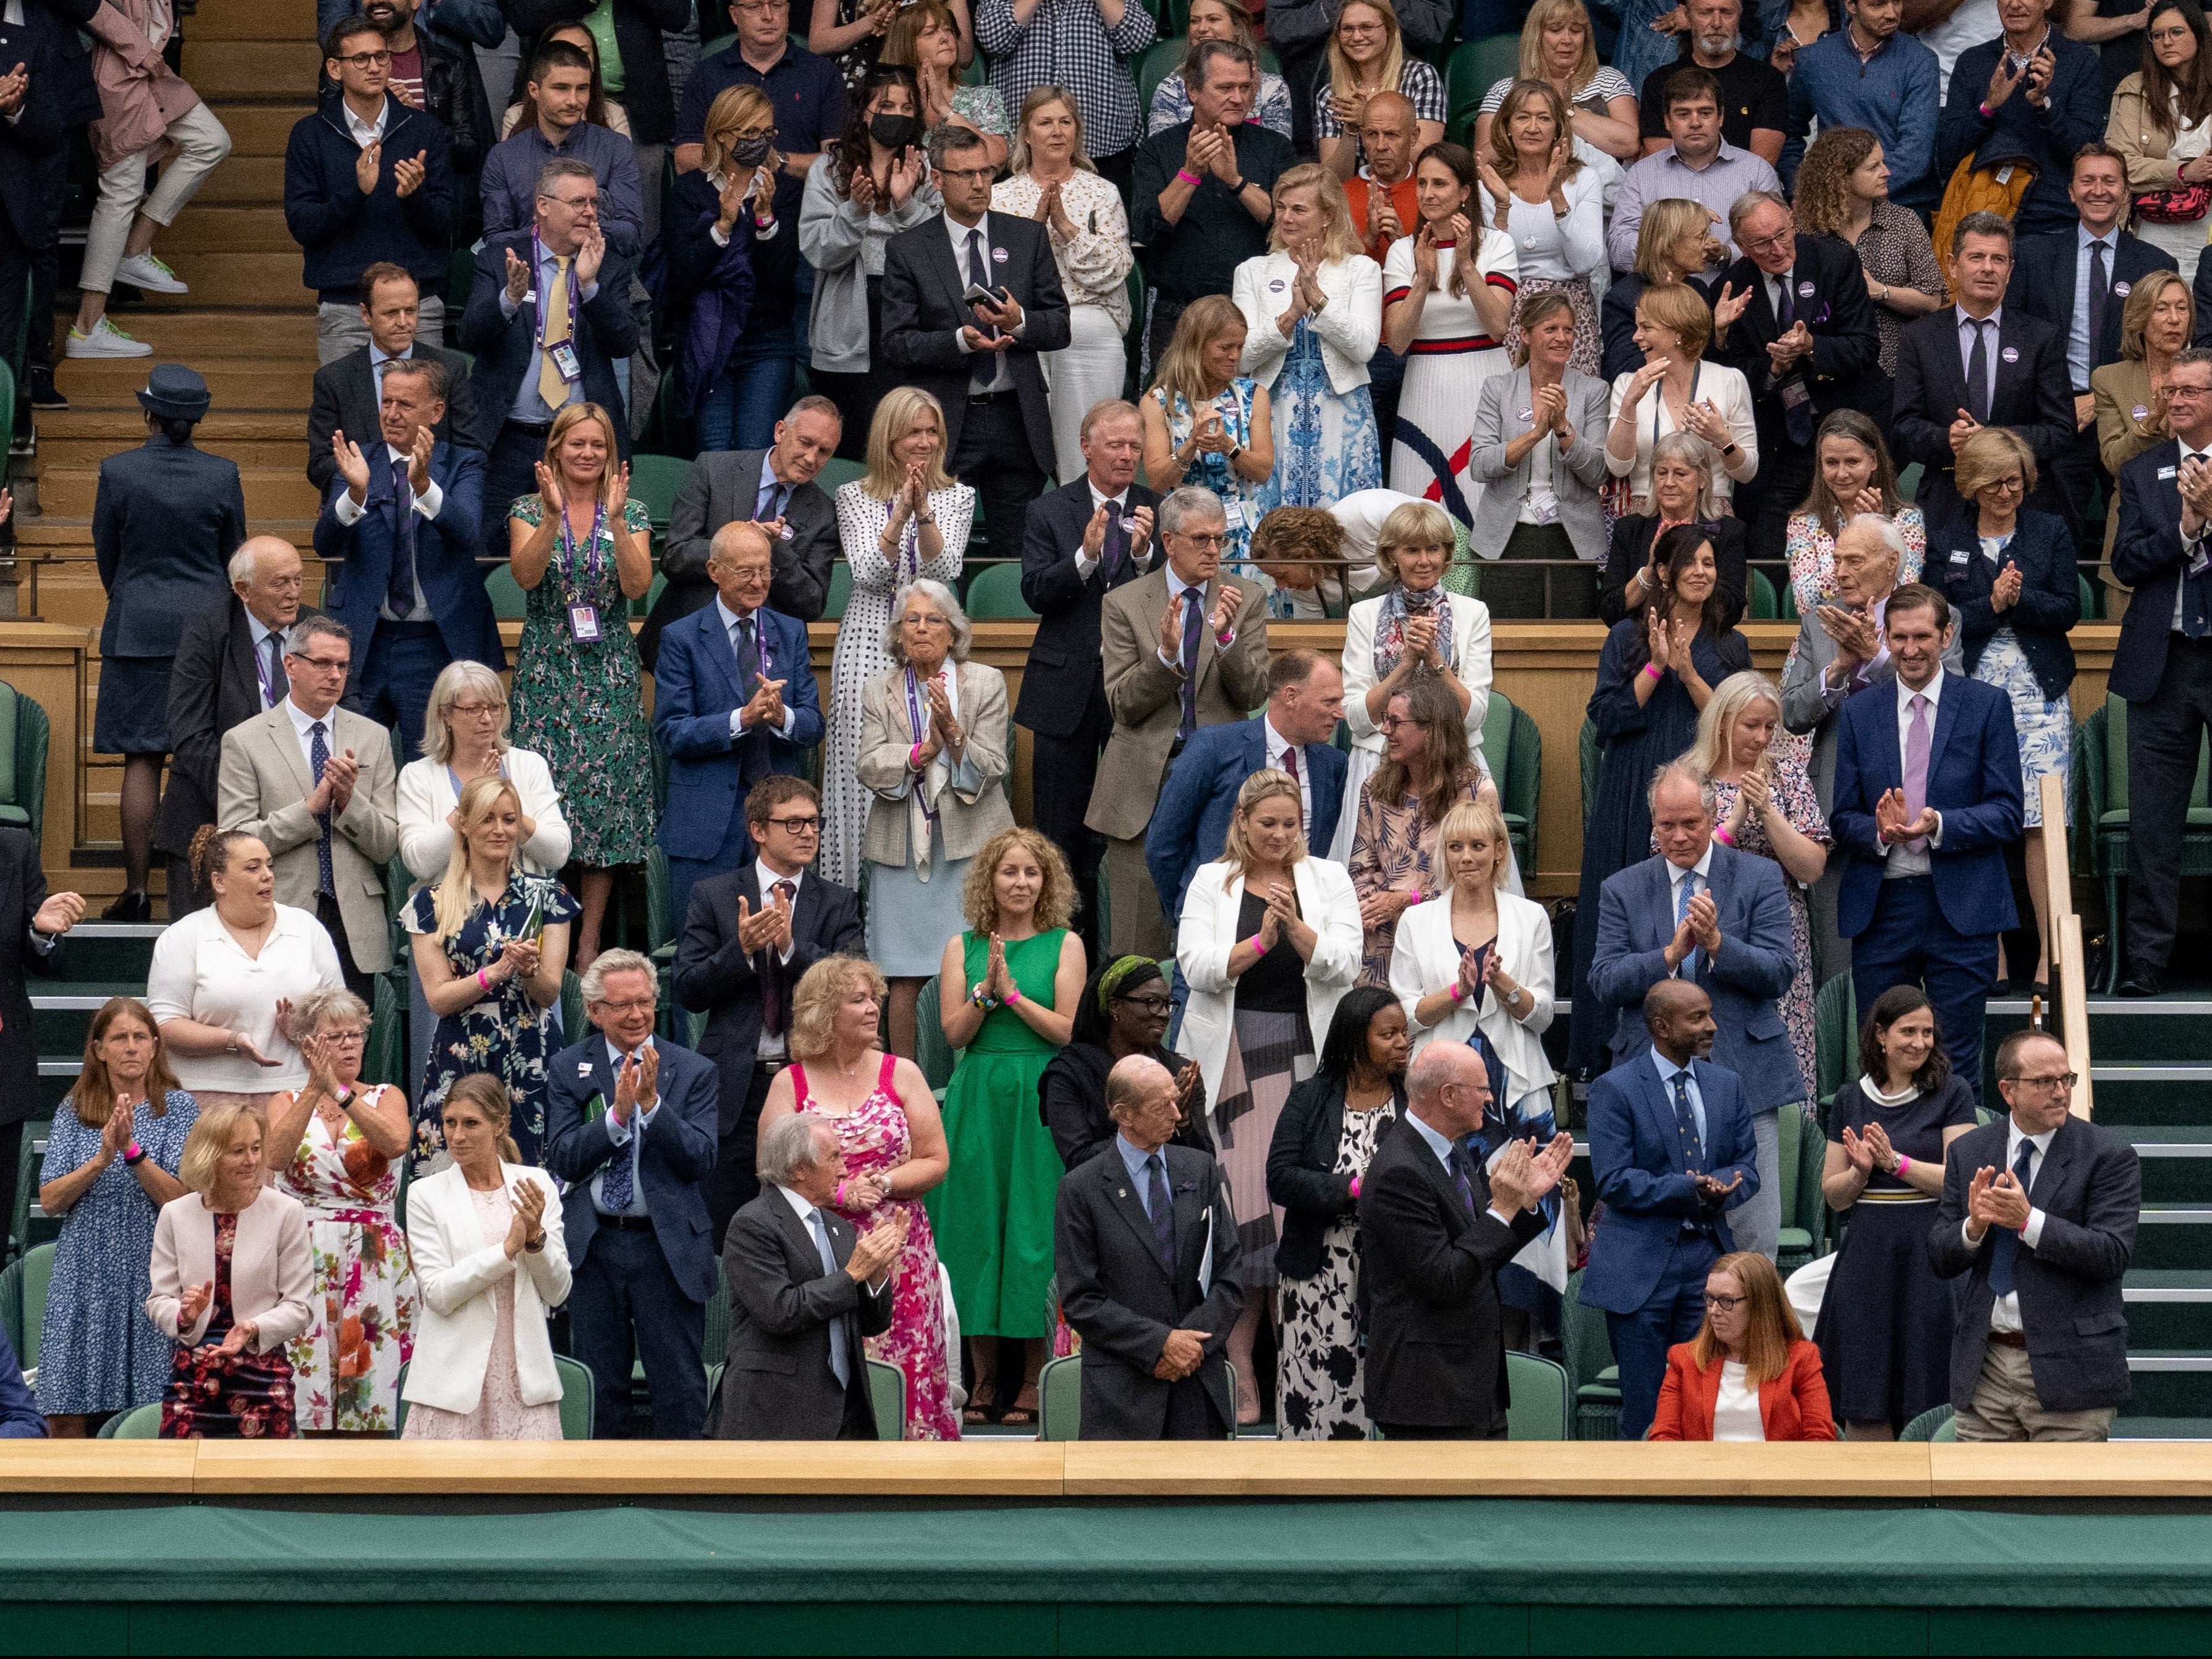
{"x": 734, "y": 700}
{"x": 1305, "y": 699}
{"x": 1927, "y": 797}
{"x": 31, "y": 131}
{"x": 630, "y": 1126}
{"x": 401, "y": 526}
{"x": 1702, "y": 912}
{"x": 2163, "y": 667}
{"x": 1671, "y": 1150}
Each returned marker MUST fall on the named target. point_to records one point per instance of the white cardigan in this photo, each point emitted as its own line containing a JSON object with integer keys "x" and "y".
{"x": 1470, "y": 640}
{"x": 1728, "y": 392}
{"x": 1426, "y": 960}
{"x": 1208, "y": 934}
{"x": 1350, "y": 326}
{"x": 458, "y": 1270}
{"x": 426, "y": 796}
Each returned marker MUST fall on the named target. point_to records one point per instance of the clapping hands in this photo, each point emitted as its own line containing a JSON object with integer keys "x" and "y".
{"x": 1995, "y": 1198}
{"x": 1893, "y": 824}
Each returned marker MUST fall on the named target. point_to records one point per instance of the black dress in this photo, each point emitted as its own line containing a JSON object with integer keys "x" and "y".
{"x": 1885, "y": 1327}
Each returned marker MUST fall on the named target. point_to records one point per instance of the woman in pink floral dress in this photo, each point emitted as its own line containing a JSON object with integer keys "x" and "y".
{"x": 893, "y": 1143}
{"x": 332, "y": 1144}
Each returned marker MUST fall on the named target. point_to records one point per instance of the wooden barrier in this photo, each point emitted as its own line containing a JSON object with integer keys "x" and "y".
{"x": 46, "y": 662}
{"x": 2068, "y": 957}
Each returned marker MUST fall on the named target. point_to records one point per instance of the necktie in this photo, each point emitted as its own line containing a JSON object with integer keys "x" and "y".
{"x": 1916, "y": 767}
{"x": 2100, "y": 290}
{"x": 1109, "y": 555}
{"x": 619, "y": 1189}
{"x": 748, "y": 648}
{"x": 1978, "y": 373}
{"x": 1686, "y": 890}
{"x": 775, "y": 1003}
{"x": 983, "y": 371}
{"x": 841, "y": 1362}
{"x": 1461, "y": 1180}
{"x": 1786, "y": 312}
{"x": 399, "y": 584}
{"x": 553, "y": 306}
{"x": 1193, "y": 617}
{"x": 318, "y": 756}
{"x": 1685, "y": 1122}
{"x": 1161, "y": 1209}
{"x": 2005, "y": 1255}
{"x": 274, "y": 682}
{"x": 770, "y": 505}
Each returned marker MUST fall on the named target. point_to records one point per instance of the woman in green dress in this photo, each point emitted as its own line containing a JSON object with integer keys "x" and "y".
{"x": 1006, "y": 997}
{"x": 582, "y": 549}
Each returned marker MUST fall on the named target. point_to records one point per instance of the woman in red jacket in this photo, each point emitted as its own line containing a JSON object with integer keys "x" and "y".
{"x": 1749, "y": 1374}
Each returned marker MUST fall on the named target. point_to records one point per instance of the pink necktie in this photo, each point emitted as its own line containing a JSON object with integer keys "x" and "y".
{"x": 1916, "y": 767}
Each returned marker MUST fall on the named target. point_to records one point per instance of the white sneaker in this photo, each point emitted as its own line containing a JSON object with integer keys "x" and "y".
{"x": 144, "y": 270}
{"x": 105, "y": 340}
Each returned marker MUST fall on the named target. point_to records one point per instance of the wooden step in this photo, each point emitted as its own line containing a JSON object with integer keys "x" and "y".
{"x": 259, "y": 282}
{"x": 256, "y": 181}
{"x": 257, "y": 128}
{"x": 252, "y": 70}
{"x": 271, "y": 492}
{"x": 189, "y": 333}
{"x": 261, "y": 19}
{"x": 207, "y": 229}
{"x": 106, "y": 384}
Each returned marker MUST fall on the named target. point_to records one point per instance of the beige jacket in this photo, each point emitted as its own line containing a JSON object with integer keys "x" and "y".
{"x": 139, "y": 94}
{"x": 970, "y": 801}
{"x": 2132, "y": 132}
{"x": 270, "y": 1269}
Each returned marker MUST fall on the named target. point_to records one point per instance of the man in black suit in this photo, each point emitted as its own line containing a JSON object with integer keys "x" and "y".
{"x": 1433, "y": 1232}
{"x": 749, "y": 936}
{"x": 36, "y": 921}
{"x": 804, "y": 1293}
{"x": 1981, "y": 363}
{"x": 30, "y": 131}
{"x": 980, "y": 359}
{"x": 2163, "y": 667}
{"x": 53, "y": 44}
{"x": 349, "y": 390}
{"x": 2078, "y": 282}
{"x": 1145, "y": 1245}
{"x": 1793, "y": 315}
{"x": 2039, "y": 1209}
{"x": 545, "y": 335}
{"x": 1081, "y": 542}
{"x": 774, "y": 489}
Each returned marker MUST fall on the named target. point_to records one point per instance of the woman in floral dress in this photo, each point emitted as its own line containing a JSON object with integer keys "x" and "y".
{"x": 582, "y": 550}
{"x": 331, "y": 1146}
{"x": 490, "y": 944}
{"x": 1425, "y": 771}
{"x": 907, "y": 517}
{"x": 893, "y": 1143}
{"x": 1208, "y": 423}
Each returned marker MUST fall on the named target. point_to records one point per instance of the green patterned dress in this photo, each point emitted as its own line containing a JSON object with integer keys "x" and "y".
{"x": 582, "y": 706}
{"x": 993, "y": 1212}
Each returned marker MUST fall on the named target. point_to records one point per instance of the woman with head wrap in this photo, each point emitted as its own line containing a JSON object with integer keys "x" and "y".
{"x": 1124, "y": 1011}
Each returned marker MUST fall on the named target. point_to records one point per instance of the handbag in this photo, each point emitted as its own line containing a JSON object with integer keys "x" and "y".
{"x": 2184, "y": 204}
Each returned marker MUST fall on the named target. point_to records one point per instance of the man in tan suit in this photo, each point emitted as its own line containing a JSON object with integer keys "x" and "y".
{"x": 317, "y": 784}
{"x": 1182, "y": 648}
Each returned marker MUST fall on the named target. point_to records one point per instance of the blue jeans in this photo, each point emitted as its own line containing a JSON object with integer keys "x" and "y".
{"x": 743, "y": 405}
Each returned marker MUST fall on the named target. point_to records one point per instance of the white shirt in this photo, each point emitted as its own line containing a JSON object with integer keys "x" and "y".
{"x": 775, "y": 1048}
{"x": 428, "y": 504}
{"x": 1903, "y": 860}
{"x": 1735, "y": 1408}
{"x": 1702, "y": 872}
{"x": 961, "y": 237}
{"x": 2179, "y": 587}
{"x": 1277, "y": 743}
{"x": 366, "y": 133}
{"x": 730, "y": 620}
{"x": 201, "y": 973}
{"x": 2004, "y": 1312}
{"x": 303, "y": 724}
{"x": 1084, "y": 563}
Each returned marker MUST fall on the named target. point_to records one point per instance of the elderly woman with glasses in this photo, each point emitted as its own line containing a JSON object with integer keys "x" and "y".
{"x": 934, "y": 756}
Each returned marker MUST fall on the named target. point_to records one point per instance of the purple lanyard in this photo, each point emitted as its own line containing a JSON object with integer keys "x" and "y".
{"x": 594, "y": 562}
{"x": 913, "y": 706}
{"x": 576, "y": 290}
{"x": 909, "y": 548}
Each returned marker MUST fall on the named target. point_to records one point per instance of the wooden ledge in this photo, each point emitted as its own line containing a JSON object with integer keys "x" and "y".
{"x": 98, "y": 1468}
{"x": 2124, "y": 1468}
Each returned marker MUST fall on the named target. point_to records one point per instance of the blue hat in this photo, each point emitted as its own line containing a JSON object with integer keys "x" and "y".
{"x": 175, "y": 392}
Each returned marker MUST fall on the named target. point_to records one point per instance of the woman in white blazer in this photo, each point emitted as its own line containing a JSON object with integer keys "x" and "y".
{"x": 1270, "y": 939}
{"x": 1313, "y": 315}
{"x": 485, "y": 1234}
{"x": 1677, "y": 391}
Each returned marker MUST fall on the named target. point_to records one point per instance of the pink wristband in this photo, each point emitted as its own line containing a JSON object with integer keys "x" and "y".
{"x": 1189, "y": 177}
{"x": 1254, "y": 942}
{"x": 1458, "y": 991}
{"x": 1903, "y": 1163}
{"x": 1655, "y": 670}
{"x": 914, "y": 759}
{"x": 1013, "y": 995}
{"x": 838, "y": 1196}
{"x": 1721, "y": 834}
{"x": 483, "y": 984}
{"x": 1412, "y": 895}
{"x": 1355, "y": 1186}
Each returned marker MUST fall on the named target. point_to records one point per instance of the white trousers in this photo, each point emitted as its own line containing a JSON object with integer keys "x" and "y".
{"x": 202, "y": 143}
{"x": 1089, "y": 369}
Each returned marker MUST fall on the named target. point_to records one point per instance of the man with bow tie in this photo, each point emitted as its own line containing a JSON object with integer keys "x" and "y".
{"x": 399, "y": 529}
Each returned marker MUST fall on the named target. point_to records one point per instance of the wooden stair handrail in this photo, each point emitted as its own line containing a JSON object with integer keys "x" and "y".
{"x": 2069, "y": 978}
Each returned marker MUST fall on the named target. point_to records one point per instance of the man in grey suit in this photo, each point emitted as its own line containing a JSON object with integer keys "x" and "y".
{"x": 1840, "y": 650}
{"x": 1145, "y": 1245}
{"x": 803, "y": 1294}
{"x": 349, "y": 389}
{"x": 774, "y": 489}
{"x": 1702, "y": 912}
{"x": 318, "y": 785}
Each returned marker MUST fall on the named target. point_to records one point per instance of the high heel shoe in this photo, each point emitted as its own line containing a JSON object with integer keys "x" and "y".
{"x": 135, "y": 906}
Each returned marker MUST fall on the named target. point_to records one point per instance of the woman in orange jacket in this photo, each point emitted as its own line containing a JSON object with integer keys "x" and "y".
{"x": 1748, "y": 1374}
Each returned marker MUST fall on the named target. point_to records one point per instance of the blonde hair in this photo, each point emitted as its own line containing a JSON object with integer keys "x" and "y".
{"x": 1340, "y": 241}
{"x": 1343, "y": 79}
{"x": 567, "y": 421}
{"x": 490, "y": 1097}
{"x": 2134, "y": 319}
{"x": 1770, "y": 1329}
{"x": 1470, "y": 818}
{"x": 1676, "y": 305}
{"x": 1057, "y": 897}
{"x": 322, "y": 1005}
{"x": 1665, "y": 223}
{"x": 733, "y": 107}
{"x": 1710, "y": 750}
{"x": 1987, "y": 456}
{"x": 1535, "y": 308}
{"x": 445, "y": 691}
{"x": 1546, "y": 13}
{"x": 1416, "y": 525}
{"x": 1507, "y": 159}
{"x": 1264, "y": 785}
{"x": 814, "y": 1001}
{"x": 894, "y": 418}
{"x": 1180, "y": 372}
{"x": 92, "y": 1097}
{"x": 1019, "y": 162}
{"x": 455, "y": 896}
{"x": 208, "y": 1139}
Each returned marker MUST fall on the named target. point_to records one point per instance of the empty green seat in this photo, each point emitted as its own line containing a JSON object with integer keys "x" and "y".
{"x": 1473, "y": 69}
{"x": 995, "y": 596}
{"x": 654, "y": 482}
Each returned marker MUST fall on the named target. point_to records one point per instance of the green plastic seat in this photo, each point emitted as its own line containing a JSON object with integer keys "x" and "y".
{"x": 936, "y": 1056}
{"x": 1513, "y": 749}
{"x": 836, "y": 473}
{"x": 1539, "y": 1399}
{"x": 1473, "y": 69}
{"x": 139, "y": 1423}
{"x": 26, "y": 1230}
{"x": 24, "y": 1289}
{"x": 995, "y": 596}
{"x": 1060, "y": 1398}
{"x": 2089, "y": 609}
{"x": 26, "y": 733}
{"x": 508, "y": 601}
{"x": 577, "y": 1399}
{"x": 1835, "y": 1037}
{"x": 1929, "y": 1424}
{"x": 1946, "y": 1431}
{"x": 654, "y": 482}
{"x": 1801, "y": 1149}
{"x": 1161, "y": 59}
{"x": 839, "y": 594}
{"x": 1589, "y": 1352}
{"x": 887, "y": 1395}
{"x": 1762, "y": 603}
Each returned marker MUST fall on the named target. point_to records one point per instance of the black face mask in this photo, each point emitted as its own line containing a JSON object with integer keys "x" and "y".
{"x": 749, "y": 152}
{"x": 894, "y": 132}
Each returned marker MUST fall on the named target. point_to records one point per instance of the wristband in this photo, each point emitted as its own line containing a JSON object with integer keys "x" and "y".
{"x": 838, "y": 1196}
{"x": 1254, "y": 941}
{"x": 1013, "y": 995}
{"x": 134, "y": 1156}
{"x": 1355, "y": 1186}
{"x": 483, "y": 984}
{"x": 1985, "y": 110}
{"x": 1721, "y": 834}
{"x": 1412, "y": 896}
{"x": 1458, "y": 991}
{"x": 1655, "y": 670}
{"x": 914, "y": 759}
{"x": 1903, "y": 1164}
{"x": 1189, "y": 178}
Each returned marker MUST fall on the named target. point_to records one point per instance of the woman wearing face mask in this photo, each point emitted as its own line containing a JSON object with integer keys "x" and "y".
{"x": 1124, "y": 1010}
{"x": 871, "y": 184}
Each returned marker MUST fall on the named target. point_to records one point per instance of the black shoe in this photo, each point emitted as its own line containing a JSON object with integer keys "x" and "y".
{"x": 2040, "y": 988}
{"x": 129, "y": 907}
{"x": 45, "y": 395}
{"x": 2142, "y": 982}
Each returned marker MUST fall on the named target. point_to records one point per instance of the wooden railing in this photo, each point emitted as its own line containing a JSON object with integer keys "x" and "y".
{"x": 2068, "y": 966}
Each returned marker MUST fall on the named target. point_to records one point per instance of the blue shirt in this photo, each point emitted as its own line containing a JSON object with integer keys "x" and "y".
{"x": 1666, "y": 1071}
{"x": 1897, "y": 93}
{"x": 510, "y": 182}
{"x": 2081, "y": 350}
{"x": 630, "y": 1140}
{"x": 812, "y": 108}
{"x": 1134, "y": 1161}
{"x": 1439, "y": 1144}
{"x": 778, "y": 501}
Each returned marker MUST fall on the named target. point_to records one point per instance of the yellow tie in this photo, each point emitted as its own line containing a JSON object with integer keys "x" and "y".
{"x": 550, "y": 385}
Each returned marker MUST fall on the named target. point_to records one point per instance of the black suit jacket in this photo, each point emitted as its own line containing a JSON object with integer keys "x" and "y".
{"x": 22, "y": 890}
{"x": 714, "y": 975}
{"x": 345, "y": 401}
{"x": 2034, "y": 397}
{"x": 36, "y": 134}
{"x": 1301, "y": 1171}
{"x": 1836, "y": 313}
{"x": 2148, "y": 557}
{"x": 606, "y": 331}
{"x": 1124, "y": 1304}
{"x": 2089, "y": 1189}
{"x": 1629, "y": 551}
{"x": 923, "y": 314}
{"x": 2043, "y": 285}
{"x": 778, "y": 1384}
{"x": 1071, "y": 1101}
{"x": 724, "y": 488}
{"x": 1428, "y": 1279}
{"x": 1065, "y": 678}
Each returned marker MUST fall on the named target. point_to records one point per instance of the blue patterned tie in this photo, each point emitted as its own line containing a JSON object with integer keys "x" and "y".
{"x": 2004, "y": 1256}
{"x": 1193, "y": 617}
{"x": 619, "y": 1189}
{"x": 318, "y": 756}
{"x": 1686, "y": 890}
{"x": 399, "y": 586}
{"x": 840, "y": 1363}
{"x": 1161, "y": 1209}
{"x": 1686, "y": 1120}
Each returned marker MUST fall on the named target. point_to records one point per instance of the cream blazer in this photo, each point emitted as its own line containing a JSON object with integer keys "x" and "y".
{"x": 1728, "y": 392}
{"x": 426, "y": 796}
{"x": 270, "y": 1269}
{"x": 1209, "y": 933}
{"x": 1470, "y": 642}
{"x": 1349, "y": 327}
{"x": 459, "y": 1271}
{"x": 1426, "y": 960}
{"x": 971, "y": 805}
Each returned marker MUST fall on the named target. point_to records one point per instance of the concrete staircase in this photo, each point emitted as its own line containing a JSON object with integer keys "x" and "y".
{"x": 247, "y": 325}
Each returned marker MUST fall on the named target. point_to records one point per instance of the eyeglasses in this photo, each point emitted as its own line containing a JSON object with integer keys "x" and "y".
{"x": 1722, "y": 1304}
{"x": 1774, "y": 241}
{"x": 345, "y": 1039}
{"x": 807, "y": 825}
{"x": 1154, "y": 1003}
{"x": 1203, "y": 541}
{"x": 1393, "y": 722}
{"x": 362, "y": 60}
{"x": 327, "y": 664}
{"x": 636, "y": 1005}
{"x": 984, "y": 174}
{"x": 2011, "y": 485}
{"x": 920, "y": 619}
{"x": 2047, "y": 1084}
{"x": 762, "y": 7}
{"x": 478, "y": 711}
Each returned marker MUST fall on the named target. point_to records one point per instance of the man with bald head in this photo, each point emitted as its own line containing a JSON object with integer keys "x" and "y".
{"x": 229, "y": 667}
{"x": 733, "y": 701}
{"x": 1671, "y": 1150}
{"x": 1145, "y": 1246}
